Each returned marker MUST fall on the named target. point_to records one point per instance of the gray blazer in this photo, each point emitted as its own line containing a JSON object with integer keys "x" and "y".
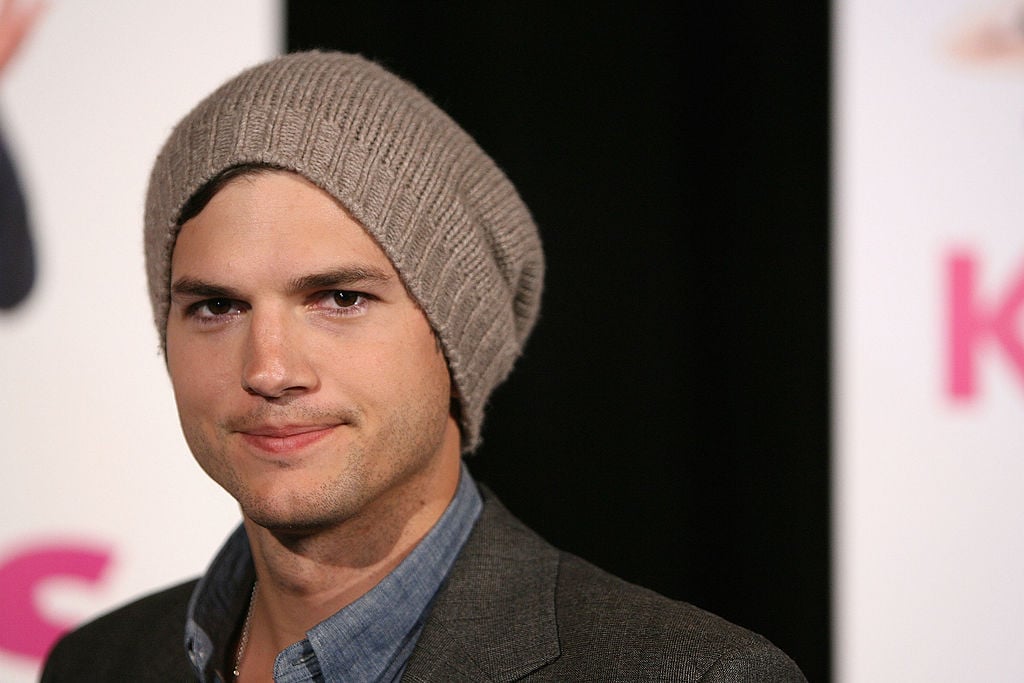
{"x": 513, "y": 608}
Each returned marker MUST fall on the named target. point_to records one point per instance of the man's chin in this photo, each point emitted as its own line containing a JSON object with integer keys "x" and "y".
{"x": 292, "y": 519}
{"x": 290, "y": 526}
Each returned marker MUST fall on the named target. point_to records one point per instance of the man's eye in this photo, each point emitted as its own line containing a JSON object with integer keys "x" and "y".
{"x": 210, "y": 309}
{"x": 343, "y": 299}
{"x": 219, "y": 306}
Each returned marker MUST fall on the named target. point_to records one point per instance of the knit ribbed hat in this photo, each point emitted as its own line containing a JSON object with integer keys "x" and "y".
{"x": 451, "y": 222}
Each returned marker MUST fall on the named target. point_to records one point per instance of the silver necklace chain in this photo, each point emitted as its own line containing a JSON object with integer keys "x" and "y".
{"x": 244, "y": 640}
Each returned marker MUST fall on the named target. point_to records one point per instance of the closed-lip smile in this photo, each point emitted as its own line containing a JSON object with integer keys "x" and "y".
{"x": 285, "y": 438}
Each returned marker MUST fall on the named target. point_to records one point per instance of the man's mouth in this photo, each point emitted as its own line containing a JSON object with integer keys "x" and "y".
{"x": 281, "y": 439}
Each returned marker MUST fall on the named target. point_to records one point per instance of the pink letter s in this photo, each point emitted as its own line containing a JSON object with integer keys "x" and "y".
{"x": 24, "y": 629}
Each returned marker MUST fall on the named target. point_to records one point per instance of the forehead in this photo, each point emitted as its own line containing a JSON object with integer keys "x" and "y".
{"x": 274, "y": 219}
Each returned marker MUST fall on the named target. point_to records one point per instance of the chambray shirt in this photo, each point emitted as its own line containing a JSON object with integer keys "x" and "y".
{"x": 369, "y": 640}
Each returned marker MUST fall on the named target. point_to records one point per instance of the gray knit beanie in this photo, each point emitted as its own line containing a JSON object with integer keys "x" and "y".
{"x": 451, "y": 222}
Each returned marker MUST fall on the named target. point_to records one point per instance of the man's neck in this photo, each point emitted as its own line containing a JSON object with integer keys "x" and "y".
{"x": 305, "y": 578}
{"x": 303, "y": 584}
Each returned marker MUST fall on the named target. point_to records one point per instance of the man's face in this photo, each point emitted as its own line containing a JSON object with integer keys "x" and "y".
{"x": 309, "y": 384}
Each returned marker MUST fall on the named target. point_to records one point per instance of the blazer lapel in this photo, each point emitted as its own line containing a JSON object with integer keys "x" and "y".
{"x": 494, "y": 618}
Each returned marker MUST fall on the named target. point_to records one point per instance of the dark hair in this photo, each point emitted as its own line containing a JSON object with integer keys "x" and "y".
{"x": 198, "y": 201}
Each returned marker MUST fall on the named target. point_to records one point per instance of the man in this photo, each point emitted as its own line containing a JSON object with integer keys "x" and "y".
{"x": 340, "y": 277}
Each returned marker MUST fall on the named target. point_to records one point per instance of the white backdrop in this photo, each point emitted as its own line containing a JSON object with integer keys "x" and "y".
{"x": 101, "y": 498}
{"x": 929, "y": 374}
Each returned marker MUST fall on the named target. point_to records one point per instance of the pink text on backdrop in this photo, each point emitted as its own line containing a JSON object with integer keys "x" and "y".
{"x": 980, "y": 322}
{"x": 24, "y": 629}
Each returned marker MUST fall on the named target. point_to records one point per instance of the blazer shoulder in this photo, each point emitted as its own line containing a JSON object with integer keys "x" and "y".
{"x": 516, "y": 608}
{"x": 605, "y": 618}
{"x": 146, "y": 635}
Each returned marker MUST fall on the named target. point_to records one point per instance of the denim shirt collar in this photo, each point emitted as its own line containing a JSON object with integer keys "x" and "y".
{"x": 371, "y": 639}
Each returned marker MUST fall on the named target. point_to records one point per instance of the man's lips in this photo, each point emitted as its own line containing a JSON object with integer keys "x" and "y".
{"x": 285, "y": 439}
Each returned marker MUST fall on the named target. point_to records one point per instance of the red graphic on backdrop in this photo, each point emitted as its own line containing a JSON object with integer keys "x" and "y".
{"x": 25, "y": 629}
{"x": 980, "y": 323}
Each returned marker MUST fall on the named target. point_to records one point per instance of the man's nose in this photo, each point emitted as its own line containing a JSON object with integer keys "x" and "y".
{"x": 276, "y": 363}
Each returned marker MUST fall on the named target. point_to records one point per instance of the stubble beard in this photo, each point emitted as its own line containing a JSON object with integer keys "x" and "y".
{"x": 403, "y": 447}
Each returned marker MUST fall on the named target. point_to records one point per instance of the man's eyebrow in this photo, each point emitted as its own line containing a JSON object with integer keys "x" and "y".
{"x": 192, "y": 287}
{"x": 341, "y": 278}
{"x": 337, "y": 278}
